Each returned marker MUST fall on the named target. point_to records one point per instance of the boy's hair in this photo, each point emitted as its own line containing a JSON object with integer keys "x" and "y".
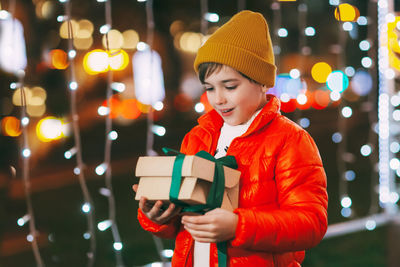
{"x": 208, "y": 68}
{"x": 244, "y": 44}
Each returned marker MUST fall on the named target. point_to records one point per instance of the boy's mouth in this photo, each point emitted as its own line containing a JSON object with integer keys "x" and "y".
{"x": 226, "y": 111}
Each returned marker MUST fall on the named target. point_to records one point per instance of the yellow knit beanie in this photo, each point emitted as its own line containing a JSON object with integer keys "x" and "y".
{"x": 244, "y": 44}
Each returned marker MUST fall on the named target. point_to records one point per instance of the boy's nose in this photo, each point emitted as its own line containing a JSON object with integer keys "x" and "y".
{"x": 219, "y": 97}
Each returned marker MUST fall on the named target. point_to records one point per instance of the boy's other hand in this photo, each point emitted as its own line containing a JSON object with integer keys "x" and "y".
{"x": 155, "y": 212}
{"x": 215, "y": 226}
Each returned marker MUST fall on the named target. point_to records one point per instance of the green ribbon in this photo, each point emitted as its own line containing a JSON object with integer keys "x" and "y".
{"x": 215, "y": 195}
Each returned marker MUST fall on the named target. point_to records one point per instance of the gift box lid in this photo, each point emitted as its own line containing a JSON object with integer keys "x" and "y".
{"x": 193, "y": 166}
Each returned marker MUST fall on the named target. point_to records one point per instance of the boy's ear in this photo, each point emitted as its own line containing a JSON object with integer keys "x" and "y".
{"x": 264, "y": 88}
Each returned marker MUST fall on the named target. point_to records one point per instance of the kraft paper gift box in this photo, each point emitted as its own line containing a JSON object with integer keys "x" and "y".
{"x": 155, "y": 175}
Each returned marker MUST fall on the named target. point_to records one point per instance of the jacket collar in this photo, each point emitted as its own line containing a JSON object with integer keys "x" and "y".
{"x": 213, "y": 121}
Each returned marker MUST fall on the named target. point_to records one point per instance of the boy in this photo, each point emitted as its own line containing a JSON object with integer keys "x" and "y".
{"x": 282, "y": 198}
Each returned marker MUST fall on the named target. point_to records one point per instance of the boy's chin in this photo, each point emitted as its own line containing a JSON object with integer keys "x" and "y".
{"x": 232, "y": 122}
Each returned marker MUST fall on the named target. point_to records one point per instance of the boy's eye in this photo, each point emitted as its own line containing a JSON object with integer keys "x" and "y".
{"x": 208, "y": 88}
{"x": 231, "y": 87}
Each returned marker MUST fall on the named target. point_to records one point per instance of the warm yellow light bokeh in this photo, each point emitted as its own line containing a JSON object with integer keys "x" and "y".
{"x": 83, "y": 43}
{"x": 16, "y": 99}
{"x": 346, "y": 12}
{"x": 85, "y": 29}
{"x": 131, "y": 39}
{"x": 33, "y": 97}
{"x": 115, "y": 40}
{"x": 98, "y": 61}
{"x": 36, "y": 111}
{"x": 59, "y": 59}
{"x": 320, "y": 71}
{"x": 119, "y": 59}
{"x": 11, "y": 126}
{"x": 95, "y": 61}
{"x": 393, "y": 44}
{"x": 64, "y": 29}
{"x": 44, "y": 9}
{"x": 39, "y": 96}
{"x": 190, "y": 41}
{"x": 49, "y": 128}
{"x": 176, "y": 27}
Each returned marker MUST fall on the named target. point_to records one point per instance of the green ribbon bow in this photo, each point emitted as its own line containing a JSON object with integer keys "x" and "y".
{"x": 215, "y": 195}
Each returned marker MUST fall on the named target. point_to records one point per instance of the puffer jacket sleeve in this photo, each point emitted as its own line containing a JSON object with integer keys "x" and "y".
{"x": 168, "y": 230}
{"x": 300, "y": 220}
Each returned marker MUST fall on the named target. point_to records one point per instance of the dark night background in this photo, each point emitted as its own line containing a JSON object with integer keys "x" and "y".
{"x": 56, "y": 194}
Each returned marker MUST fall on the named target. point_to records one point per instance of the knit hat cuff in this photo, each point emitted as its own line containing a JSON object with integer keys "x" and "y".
{"x": 261, "y": 71}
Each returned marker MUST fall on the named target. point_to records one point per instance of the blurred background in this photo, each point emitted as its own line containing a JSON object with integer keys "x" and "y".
{"x": 82, "y": 97}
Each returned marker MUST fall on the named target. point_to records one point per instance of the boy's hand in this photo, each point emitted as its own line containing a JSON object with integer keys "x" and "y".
{"x": 215, "y": 226}
{"x": 154, "y": 211}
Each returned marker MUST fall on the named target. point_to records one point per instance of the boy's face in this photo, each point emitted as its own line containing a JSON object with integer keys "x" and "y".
{"x": 233, "y": 96}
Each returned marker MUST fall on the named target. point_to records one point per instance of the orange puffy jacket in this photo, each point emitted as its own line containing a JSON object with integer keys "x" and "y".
{"x": 282, "y": 201}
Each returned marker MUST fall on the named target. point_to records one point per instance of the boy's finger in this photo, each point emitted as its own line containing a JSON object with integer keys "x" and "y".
{"x": 143, "y": 205}
{"x": 135, "y": 187}
{"x": 198, "y": 227}
{"x": 202, "y": 219}
{"x": 155, "y": 210}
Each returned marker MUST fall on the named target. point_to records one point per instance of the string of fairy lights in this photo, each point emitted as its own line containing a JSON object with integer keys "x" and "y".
{"x": 17, "y": 68}
{"x": 87, "y": 207}
{"x": 105, "y": 167}
{"x": 26, "y": 153}
{"x": 372, "y": 116}
{"x": 347, "y": 27}
{"x": 382, "y": 154}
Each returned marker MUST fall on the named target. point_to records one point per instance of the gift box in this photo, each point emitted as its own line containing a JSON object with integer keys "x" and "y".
{"x": 197, "y": 174}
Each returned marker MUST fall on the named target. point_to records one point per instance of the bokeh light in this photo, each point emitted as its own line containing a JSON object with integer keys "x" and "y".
{"x": 361, "y": 83}
{"x": 83, "y": 43}
{"x": 36, "y": 111}
{"x": 350, "y": 175}
{"x": 115, "y": 40}
{"x": 50, "y": 128}
{"x": 131, "y": 39}
{"x": 321, "y": 99}
{"x": 366, "y": 62}
{"x": 114, "y": 106}
{"x": 98, "y": 61}
{"x": 130, "y": 109}
{"x": 282, "y": 32}
{"x": 364, "y": 45}
{"x": 199, "y": 107}
{"x": 337, "y": 137}
{"x": 44, "y": 9}
{"x": 366, "y": 150}
{"x": 320, "y": 71}
{"x": 349, "y": 71}
{"x": 347, "y": 112}
{"x": 118, "y": 59}
{"x": 306, "y": 100}
{"x": 95, "y": 61}
{"x": 85, "y": 29}
{"x": 346, "y": 12}
{"x": 10, "y": 126}
{"x": 337, "y": 81}
{"x": 64, "y": 29}
{"x": 190, "y": 41}
{"x": 309, "y": 31}
{"x": 287, "y": 87}
{"x": 58, "y": 59}
{"x": 304, "y": 122}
